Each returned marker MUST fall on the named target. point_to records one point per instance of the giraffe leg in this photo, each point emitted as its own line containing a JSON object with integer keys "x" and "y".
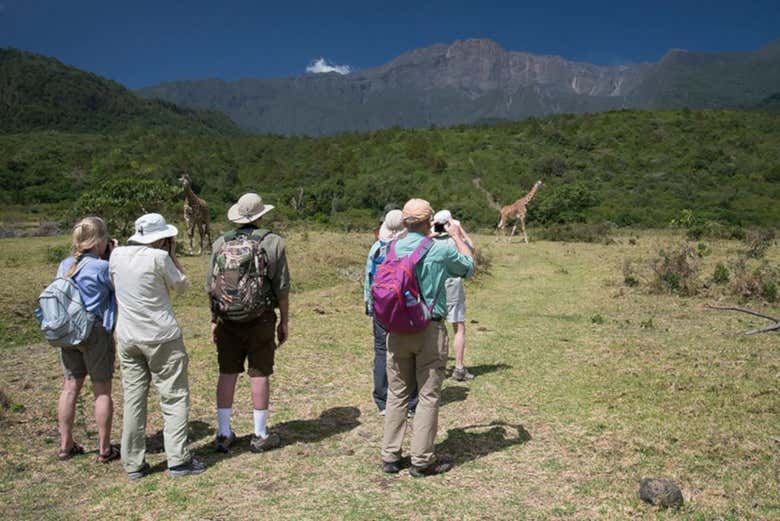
{"x": 514, "y": 229}
{"x": 522, "y": 227}
{"x": 190, "y": 235}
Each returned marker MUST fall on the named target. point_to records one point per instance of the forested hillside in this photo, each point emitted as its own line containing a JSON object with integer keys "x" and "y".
{"x": 627, "y": 167}
{"x": 41, "y": 93}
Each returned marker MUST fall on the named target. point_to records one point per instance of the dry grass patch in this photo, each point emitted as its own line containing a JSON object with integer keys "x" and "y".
{"x": 565, "y": 416}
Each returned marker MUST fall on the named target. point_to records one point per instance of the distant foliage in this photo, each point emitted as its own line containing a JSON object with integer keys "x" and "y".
{"x": 577, "y": 232}
{"x": 610, "y": 167}
{"x": 753, "y": 282}
{"x": 759, "y": 241}
{"x": 675, "y": 271}
{"x": 121, "y": 201}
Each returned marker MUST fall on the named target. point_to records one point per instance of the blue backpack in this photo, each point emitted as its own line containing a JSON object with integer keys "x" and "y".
{"x": 64, "y": 320}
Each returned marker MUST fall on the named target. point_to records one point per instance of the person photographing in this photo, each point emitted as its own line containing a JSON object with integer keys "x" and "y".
{"x": 443, "y": 223}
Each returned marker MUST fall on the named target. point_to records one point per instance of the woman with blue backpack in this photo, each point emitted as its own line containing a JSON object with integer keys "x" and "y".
{"x": 87, "y": 267}
{"x": 392, "y": 228}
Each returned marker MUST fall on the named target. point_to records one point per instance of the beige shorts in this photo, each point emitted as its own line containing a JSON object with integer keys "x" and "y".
{"x": 94, "y": 357}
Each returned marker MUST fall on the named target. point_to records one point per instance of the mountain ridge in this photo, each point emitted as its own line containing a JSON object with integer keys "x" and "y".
{"x": 474, "y": 80}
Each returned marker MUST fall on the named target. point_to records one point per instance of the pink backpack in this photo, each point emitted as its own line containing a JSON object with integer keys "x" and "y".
{"x": 398, "y": 305}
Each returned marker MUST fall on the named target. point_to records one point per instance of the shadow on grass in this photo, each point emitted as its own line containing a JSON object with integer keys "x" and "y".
{"x": 197, "y": 431}
{"x": 479, "y": 370}
{"x": 453, "y": 393}
{"x": 330, "y": 422}
{"x": 155, "y": 444}
{"x": 465, "y": 444}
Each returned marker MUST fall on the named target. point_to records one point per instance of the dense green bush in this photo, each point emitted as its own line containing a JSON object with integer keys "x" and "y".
{"x": 609, "y": 167}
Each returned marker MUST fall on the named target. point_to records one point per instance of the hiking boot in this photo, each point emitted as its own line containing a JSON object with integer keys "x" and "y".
{"x": 190, "y": 468}
{"x": 393, "y": 467}
{"x": 437, "y": 467}
{"x": 259, "y": 444}
{"x": 223, "y": 443}
{"x": 461, "y": 374}
{"x": 138, "y": 474}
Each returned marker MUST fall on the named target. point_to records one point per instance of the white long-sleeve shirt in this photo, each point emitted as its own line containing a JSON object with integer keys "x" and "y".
{"x": 143, "y": 278}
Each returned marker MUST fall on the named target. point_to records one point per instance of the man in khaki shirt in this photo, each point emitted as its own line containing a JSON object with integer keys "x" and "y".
{"x": 252, "y": 339}
{"x": 150, "y": 345}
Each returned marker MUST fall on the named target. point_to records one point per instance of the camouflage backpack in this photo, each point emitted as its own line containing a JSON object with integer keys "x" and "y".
{"x": 240, "y": 288}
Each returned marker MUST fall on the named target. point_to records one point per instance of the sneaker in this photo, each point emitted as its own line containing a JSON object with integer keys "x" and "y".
{"x": 223, "y": 443}
{"x": 190, "y": 468}
{"x": 410, "y": 414}
{"x": 138, "y": 474}
{"x": 461, "y": 374}
{"x": 382, "y": 412}
{"x": 393, "y": 467}
{"x": 259, "y": 444}
{"x": 438, "y": 467}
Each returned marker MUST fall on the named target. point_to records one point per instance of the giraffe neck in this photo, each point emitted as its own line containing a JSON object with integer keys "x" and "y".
{"x": 527, "y": 197}
{"x": 193, "y": 199}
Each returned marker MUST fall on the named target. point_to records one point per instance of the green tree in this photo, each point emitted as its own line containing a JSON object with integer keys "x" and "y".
{"x": 121, "y": 201}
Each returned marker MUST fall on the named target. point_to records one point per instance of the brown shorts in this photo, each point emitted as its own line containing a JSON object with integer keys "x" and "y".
{"x": 95, "y": 356}
{"x": 239, "y": 341}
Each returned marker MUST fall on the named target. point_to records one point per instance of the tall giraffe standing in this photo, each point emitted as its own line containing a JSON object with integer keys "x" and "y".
{"x": 196, "y": 214}
{"x": 516, "y": 211}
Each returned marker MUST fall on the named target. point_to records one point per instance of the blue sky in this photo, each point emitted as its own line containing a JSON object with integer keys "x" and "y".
{"x": 140, "y": 42}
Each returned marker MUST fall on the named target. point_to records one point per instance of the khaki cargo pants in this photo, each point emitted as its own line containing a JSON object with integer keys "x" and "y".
{"x": 416, "y": 359}
{"x": 165, "y": 365}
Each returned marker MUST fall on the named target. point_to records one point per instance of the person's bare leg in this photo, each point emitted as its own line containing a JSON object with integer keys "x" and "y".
{"x": 459, "y": 342}
{"x": 104, "y": 413}
{"x": 226, "y": 389}
{"x": 66, "y": 410}
{"x": 261, "y": 389}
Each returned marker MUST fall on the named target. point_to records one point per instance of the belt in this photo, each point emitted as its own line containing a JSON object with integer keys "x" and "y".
{"x": 437, "y": 319}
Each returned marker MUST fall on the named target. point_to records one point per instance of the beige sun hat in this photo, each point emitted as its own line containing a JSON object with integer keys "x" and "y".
{"x": 417, "y": 211}
{"x": 152, "y": 227}
{"x": 392, "y": 227}
{"x": 249, "y": 208}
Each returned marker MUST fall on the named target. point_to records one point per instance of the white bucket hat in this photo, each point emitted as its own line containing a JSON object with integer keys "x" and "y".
{"x": 249, "y": 208}
{"x": 152, "y": 227}
{"x": 442, "y": 217}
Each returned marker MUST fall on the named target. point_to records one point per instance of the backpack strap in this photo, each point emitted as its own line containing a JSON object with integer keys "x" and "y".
{"x": 422, "y": 249}
{"x": 390, "y": 255}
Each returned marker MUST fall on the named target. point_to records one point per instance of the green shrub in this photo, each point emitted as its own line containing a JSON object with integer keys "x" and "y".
{"x": 751, "y": 282}
{"x": 758, "y": 241}
{"x": 721, "y": 274}
{"x": 675, "y": 271}
{"x": 630, "y": 277}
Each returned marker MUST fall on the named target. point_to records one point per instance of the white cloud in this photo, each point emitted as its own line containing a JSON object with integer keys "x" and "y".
{"x": 321, "y": 65}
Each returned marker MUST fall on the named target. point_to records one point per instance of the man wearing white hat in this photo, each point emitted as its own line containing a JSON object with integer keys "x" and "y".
{"x": 150, "y": 346}
{"x": 456, "y": 296}
{"x": 246, "y": 280}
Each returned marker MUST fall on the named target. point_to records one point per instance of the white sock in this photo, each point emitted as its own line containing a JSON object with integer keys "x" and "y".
{"x": 261, "y": 418}
{"x": 223, "y": 421}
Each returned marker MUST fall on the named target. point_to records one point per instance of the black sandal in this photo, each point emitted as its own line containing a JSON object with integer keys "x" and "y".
{"x": 113, "y": 454}
{"x": 75, "y": 450}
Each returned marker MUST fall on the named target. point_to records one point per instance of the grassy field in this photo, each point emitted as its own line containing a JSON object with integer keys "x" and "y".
{"x": 583, "y": 387}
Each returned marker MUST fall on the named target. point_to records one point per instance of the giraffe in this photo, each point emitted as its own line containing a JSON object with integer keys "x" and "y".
{"x": 516, "y": 212}
{"x": 196, "y": 214}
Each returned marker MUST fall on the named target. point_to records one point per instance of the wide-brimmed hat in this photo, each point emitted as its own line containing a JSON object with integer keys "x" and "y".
{"x": 442, "y": 217}
{"x": 152, "y": 227}
{"x": 392, "y": 226}
{"x": 249, "y": 208}
{"x": 417, "y": 211}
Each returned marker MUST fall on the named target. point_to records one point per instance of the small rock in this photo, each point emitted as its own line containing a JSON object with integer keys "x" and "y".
{"x": 319, "y": 311}
{"x": 660, "y": 492}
